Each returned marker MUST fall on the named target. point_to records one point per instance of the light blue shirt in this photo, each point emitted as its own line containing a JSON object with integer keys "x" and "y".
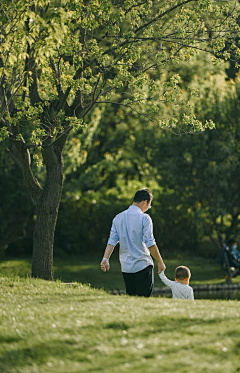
{"x": 133, "y": 229}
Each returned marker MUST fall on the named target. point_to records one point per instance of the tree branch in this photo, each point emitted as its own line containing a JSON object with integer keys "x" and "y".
{"x": 22, "y": 158}
{"x": 162, "y": 15}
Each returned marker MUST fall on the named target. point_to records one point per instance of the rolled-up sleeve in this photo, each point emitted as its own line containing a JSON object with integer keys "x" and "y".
{"x": 148, "y": 237}
{"x": 113, "y": 238}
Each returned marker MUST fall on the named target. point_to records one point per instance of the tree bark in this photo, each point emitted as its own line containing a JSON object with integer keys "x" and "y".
{"x": 43, "y": 237}
{"x": 47, "y": 213}
{"x": 46, "y": 200}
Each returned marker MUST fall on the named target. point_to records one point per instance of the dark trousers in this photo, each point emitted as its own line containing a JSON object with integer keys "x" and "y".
{"x": 139, "y": 283}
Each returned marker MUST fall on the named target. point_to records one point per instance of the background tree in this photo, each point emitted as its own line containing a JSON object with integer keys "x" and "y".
{"x": 16, "y": 213}
{"x": 194, "y": 176}
{"x": 59, "y": 59}
{"x": 205, "y": 174}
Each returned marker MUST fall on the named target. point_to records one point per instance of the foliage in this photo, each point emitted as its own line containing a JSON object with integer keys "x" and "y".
{"x": 16, "y": 214}
{"x": 204, "y": 174}
{"x": 58, "y": 59}
{"x": 194, "y": 178}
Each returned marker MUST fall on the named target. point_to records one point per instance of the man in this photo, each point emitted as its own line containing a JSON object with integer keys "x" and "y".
{"x": 133, "y": 230}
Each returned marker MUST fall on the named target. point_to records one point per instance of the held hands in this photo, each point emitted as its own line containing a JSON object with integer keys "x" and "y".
{"x": 105, "y": 265}
{"x": 161, "y": 267}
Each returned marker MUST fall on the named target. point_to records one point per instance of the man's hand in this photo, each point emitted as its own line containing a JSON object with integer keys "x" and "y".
{"x": 105, "y": 265}
{"x": 161, "y": 267}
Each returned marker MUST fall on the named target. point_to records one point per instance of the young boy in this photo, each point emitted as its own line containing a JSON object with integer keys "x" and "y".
{"x": 180, "y": 287}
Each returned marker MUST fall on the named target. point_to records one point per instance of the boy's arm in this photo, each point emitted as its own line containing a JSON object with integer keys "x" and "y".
{"x": 165, "y": 280}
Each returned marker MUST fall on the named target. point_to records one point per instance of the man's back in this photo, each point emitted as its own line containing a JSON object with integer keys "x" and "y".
{"x": 133, "y": 230}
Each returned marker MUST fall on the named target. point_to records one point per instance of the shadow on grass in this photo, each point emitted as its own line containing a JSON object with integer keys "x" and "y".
{"x": 168, "y": 324}
{"x": 89, "y": 272}
{"x": 9, "y": 339}
{"x": 117, "y": 325}
{"x": 165, "y": 324}
{"x": 41, "y": 353}
{"x": 70, "y": 269}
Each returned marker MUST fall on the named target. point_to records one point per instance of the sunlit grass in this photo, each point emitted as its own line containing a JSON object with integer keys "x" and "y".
{"x": 52, "y": 327}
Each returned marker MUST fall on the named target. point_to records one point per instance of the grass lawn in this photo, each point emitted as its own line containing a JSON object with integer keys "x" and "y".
{"x": 87, "y": 270}
{"x": 50, "y": 327}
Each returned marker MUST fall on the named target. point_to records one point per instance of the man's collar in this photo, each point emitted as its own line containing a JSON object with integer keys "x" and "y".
{"x": 136, "y": 208}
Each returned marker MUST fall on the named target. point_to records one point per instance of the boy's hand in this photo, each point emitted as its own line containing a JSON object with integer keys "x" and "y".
{"x": 105, "y": 265}
{"x": 161, "y": 267}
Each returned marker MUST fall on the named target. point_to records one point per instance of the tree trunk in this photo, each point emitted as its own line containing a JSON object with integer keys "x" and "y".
{"x": 46, "y": 200}
{"x": 47, "y": 212}
{"x": 43, "y": 239}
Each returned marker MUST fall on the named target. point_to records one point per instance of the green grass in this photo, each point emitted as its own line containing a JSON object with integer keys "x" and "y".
{"x": 87, "y": 270}
{"x": 50, "y": 327}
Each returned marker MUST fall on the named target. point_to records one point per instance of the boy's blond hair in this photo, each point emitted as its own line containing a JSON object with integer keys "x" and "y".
{"x": 182, "y": 272}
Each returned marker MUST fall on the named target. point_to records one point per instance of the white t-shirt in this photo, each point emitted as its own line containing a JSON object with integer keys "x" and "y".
{"x": 178, "y": 290}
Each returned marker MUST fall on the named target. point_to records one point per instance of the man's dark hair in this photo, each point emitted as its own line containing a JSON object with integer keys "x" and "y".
{"x": 143, "y": 195}
{"x": 182, "y": 272}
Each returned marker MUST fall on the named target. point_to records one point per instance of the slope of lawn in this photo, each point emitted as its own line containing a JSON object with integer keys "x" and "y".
{"x": 51, "y": 327}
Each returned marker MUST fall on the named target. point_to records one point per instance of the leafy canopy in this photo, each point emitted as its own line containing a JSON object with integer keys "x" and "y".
{"x": 59, "y": 58}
